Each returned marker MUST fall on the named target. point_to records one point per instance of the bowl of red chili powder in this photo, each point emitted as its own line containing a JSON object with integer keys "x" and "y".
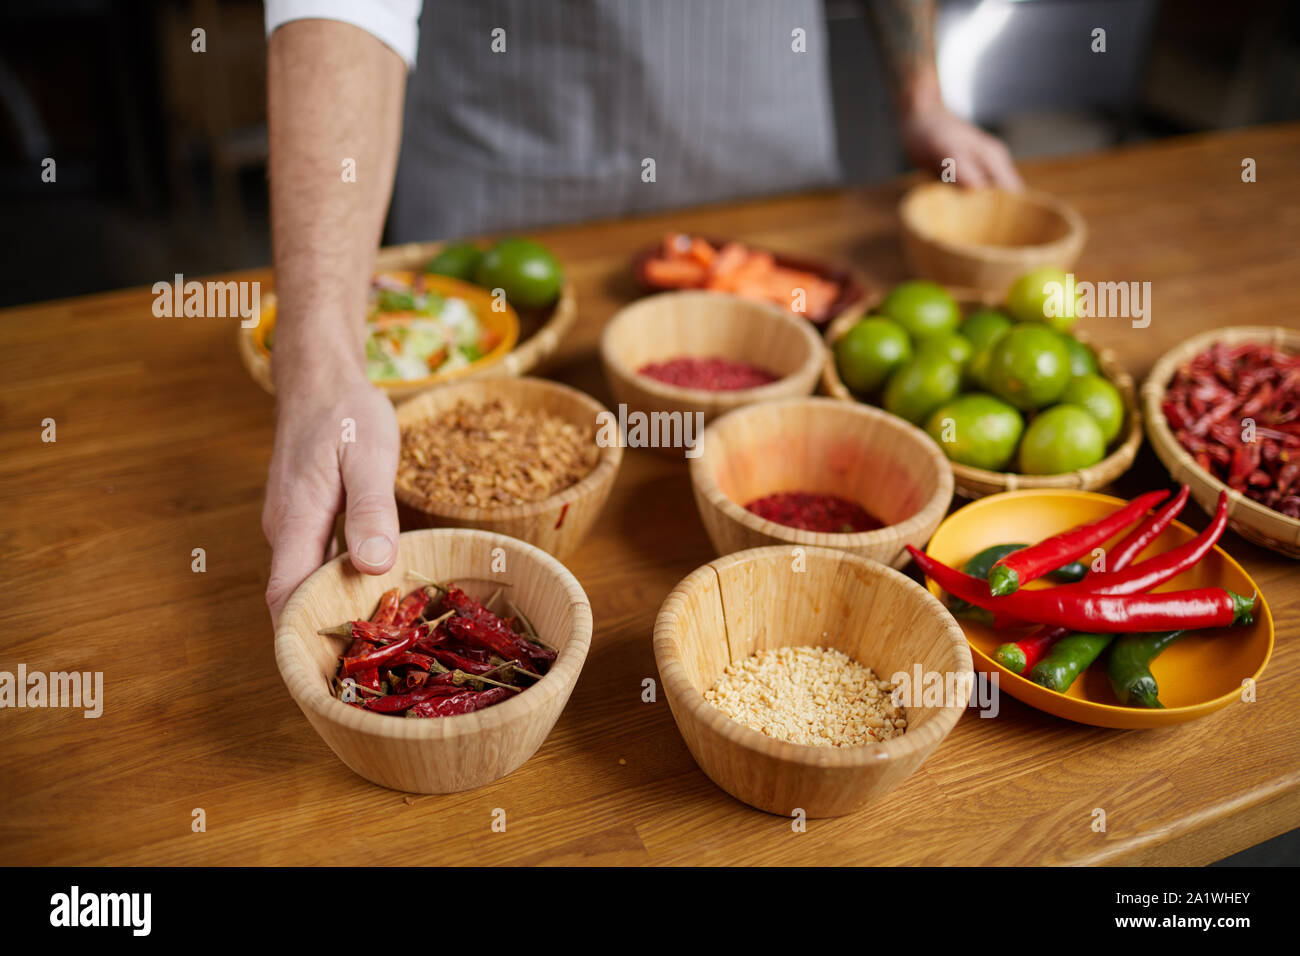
{"x": 677, "y": 360}
{"x": 820, "y": 472}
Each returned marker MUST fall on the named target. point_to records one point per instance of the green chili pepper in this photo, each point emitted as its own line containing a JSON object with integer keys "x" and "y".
{"x": 1130, "y": 667}
{"x": 1068, "y": 658}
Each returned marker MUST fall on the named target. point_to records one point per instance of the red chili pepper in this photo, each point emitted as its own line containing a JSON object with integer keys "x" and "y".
{"x": 383, "y": 655}
{"x": 462, "y": 703}
{"x": 479, "y": 634}
{"x": 1137, "y": 540}
{"x": 1094, "y": 613}
{"x": 387, "y": 609}
{"x": 455, "y": 660}
{"x": 1020, "y": 655}
{"x": 383, "y": 615}
{"x": 370, "y": 676}
{"x": 412, "y": 606}
{"x": 396, "y": 703}
{"x": 1023, "y": 566}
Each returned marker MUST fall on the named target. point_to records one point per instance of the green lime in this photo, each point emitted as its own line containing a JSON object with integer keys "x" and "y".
{"x": 1082, "y": 361}
{"x": 948, "y": 344}
{"x": 524, "y": 269}
{"x": 977, "y": 430}
{"x": 1039, "y": 296}
{"x": 982, "y": 329}
{"x": 1063, "y": 438}
{"x": 1098, "y": 398}
{"x": 869, "y": 352}
{"x": 460, "y": 260}
{"x": 921, "y": 386}
{"x": 922, "y": 308}
{"x": 1029, "y": 367}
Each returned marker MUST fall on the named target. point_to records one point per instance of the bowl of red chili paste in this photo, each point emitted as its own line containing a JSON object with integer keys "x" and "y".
{"x": 819, "y": 472}
{"x": 677, "y": 360}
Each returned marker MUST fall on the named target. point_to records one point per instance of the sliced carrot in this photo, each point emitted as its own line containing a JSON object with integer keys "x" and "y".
{"x": 675, "y": 273}
{"x": 703, "y": 253}
{"x": 728, "y": 262}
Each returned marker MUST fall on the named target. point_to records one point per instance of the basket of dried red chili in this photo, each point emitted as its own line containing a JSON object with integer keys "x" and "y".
{"x": 477, "y": 664}
{"x": 1223, "y": 412}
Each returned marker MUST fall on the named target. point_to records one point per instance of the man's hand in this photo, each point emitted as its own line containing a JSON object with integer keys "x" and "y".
{"x": 335, "y": 115}
{"x": 316, "y": 470}
{"x": 932, "y": 135}
{"x": 929, "y": 132}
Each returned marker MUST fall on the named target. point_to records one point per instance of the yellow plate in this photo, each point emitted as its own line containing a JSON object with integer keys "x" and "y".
{"x": 1197, "y": 675}
{"x": 504, "y": 323}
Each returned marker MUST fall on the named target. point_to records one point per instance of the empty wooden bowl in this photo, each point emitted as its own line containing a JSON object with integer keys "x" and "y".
{"x": 1249, "y": 518}
{"x": 557, "y": 524}
{"x": 744, "y": 603}
{"x": 986, "y": 238}
{"x": 444, "y": 754}
{"x": 705, "y": 325}
{"x": 975, "y": 482}
{"x": 888, "y": 466}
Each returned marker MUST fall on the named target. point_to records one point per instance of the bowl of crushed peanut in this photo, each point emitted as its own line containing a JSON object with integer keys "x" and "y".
{"x": 515, "y": 456}
{"x": 809, "y": 680}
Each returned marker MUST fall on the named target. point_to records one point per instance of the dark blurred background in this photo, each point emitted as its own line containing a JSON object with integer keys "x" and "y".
{"x": 162, "y": 153}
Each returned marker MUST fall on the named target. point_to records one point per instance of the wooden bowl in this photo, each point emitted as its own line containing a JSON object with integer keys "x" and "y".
{"x": 1198, "y": 675}
{"x": 447, "y": 754}
{"x": 703, "y": 324}
{"x": 743, "y": 603}
{"x": 1249, "y": 518}
{"x": 537, "y": 335}
{"x": 975, "y": 482}
{"x": 986, "y": 238}
{"x": 557, "y": 524}
{"x": 854, "y": 290}
{"x": 890, "y": 467}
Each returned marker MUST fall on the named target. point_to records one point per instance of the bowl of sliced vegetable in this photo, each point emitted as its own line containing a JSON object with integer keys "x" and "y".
{"x": 1102, "y": 611}
{"x": 420, "y": 330}
{"x": 444, "y": 673}
{"x": 441, "y": 311}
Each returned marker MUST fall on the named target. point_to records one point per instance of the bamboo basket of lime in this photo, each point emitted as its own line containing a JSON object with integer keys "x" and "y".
{"x": 1013, "y": 396}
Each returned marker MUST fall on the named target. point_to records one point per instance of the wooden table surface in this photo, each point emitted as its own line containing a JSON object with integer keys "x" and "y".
{"x": 162, "y": 447}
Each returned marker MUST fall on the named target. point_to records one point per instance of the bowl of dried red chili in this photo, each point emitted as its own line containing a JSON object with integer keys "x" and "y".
{"x": 461, "y": 738}
{"x": 1223, "y": 412}
{"x": 676, "y": 359}
{"x": 820, "y": 472}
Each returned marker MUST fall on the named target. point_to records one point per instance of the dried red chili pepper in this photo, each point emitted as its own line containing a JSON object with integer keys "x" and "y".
{"x": 382, "y": 655}
{"x": 411, "y": 608}
{"x": 396, "y": 703}
{"x": 463, "y": 702}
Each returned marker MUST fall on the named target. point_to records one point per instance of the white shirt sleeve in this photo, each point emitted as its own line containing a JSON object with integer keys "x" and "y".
{"x": 394, "y": 22}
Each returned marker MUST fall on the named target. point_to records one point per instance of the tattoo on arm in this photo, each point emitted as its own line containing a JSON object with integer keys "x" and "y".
{"x": 906, "y": 29}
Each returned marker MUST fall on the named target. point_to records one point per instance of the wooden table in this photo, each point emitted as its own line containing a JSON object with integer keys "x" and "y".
{"x": 162, "y": 447}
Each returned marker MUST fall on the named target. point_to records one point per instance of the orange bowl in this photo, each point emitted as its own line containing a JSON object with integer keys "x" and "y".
{"x": 1199, "y": 674}
{"x": 504, "y": 323}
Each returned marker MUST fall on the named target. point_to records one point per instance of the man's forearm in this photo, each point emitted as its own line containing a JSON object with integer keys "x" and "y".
{"x": 334, "y": 108}
{"x": 906, "y": 29}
